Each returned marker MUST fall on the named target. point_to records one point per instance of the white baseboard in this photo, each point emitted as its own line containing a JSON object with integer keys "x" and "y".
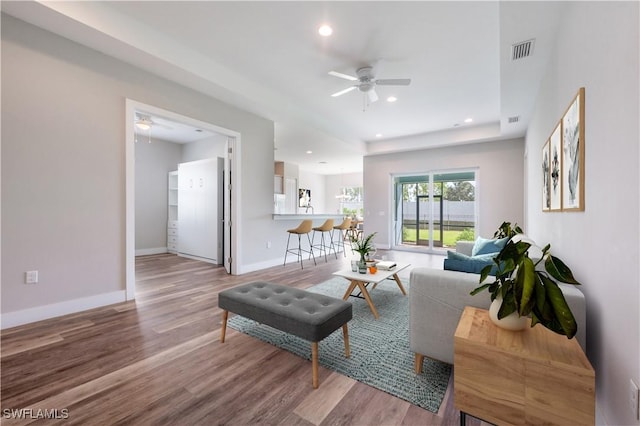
{"x": 279, "y": 262}
{"x": 153, "y": 250}
{"x": 243, "y": 269}
{"x": 202, "y": 259}
{"x": 26, "y": 316}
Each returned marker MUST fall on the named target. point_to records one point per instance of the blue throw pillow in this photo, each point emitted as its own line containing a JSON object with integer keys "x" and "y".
{"x": 472, "y": 264}
{"x": 485, "y": 246}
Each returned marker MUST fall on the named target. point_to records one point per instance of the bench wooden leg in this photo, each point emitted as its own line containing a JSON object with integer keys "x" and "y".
{"x": 223, "y": 330}
{"x": 419, "y": 358}
{"x": 314, "y": 364}
{"x": 345, "y": 334}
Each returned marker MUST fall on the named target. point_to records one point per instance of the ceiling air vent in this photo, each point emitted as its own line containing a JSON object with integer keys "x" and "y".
{"x": 522, "y": 49}
{"x": 514, "y": 119}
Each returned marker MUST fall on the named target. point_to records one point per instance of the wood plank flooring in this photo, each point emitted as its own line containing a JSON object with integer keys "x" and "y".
{"x": 158, "y": 360}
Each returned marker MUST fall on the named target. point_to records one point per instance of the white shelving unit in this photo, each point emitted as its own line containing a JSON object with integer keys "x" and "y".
{"x": 172, "y": 213}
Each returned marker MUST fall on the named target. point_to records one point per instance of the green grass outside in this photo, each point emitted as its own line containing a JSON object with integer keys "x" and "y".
{"x": 450, "y": 237}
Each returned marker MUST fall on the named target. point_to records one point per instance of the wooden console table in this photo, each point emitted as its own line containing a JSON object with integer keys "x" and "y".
{"x": 532, "y": 376}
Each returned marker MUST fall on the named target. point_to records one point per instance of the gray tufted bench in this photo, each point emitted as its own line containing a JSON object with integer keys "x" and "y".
{"x": 304, "y": 314}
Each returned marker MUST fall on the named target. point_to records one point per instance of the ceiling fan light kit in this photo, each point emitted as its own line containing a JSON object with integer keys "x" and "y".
{"x": 144, "y": 123}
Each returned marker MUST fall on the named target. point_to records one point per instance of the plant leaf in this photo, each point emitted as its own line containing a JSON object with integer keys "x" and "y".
{"x": 508, "y": 266}
{"x": 485, "y": 272}
{"x": 540, "y": 292}
{"x": 561, "y": 309}
{"x": 558, "y": 270}
{"x": 527, "y": 272}
{"x": 508, "y": 304}
{"x": 534, "y": 318}
{"x": 479, "y": 289}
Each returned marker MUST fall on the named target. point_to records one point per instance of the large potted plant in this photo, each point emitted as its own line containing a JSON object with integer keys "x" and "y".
{"x": 525, "y": 289}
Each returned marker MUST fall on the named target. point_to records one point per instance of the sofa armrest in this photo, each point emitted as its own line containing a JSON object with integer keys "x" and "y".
{"x": 465, "y": 247}
{"x": 436, "y": 301}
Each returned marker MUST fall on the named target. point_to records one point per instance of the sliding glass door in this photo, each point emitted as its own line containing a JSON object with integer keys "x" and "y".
{"x": 434, "y": 210}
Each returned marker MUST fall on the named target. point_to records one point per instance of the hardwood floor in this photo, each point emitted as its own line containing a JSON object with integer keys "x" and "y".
{"x": 158, "y": 360}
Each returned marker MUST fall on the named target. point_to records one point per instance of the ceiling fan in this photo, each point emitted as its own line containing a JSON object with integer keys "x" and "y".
{"x": 366, "y": 82}
{"x": 144, "y": 122}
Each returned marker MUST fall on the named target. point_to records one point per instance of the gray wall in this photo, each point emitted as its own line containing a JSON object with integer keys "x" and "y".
{"x": 211, "y": 147}
{"x": 598, "y": 49}
{"x": 63, "y": 192}
{"x": 153, "y": 163}
{"x": 499, "y": 179}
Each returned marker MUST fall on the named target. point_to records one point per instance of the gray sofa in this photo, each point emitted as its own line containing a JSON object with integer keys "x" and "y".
{"x": 437, "y": 299}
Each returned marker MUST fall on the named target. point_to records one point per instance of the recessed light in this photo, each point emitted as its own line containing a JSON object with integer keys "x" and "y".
{"x": 325, "y": 30}
{"x": 378, "y": 135}
{"x": 322, "y": 162}
{"x": 309, "y": 152}
{"x": 468, "y": 120}
{"x": 392, "y": 99}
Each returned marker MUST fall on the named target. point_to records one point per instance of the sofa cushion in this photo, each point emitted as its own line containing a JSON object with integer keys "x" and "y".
{"x": 485, "y": 246}
{"x": 472, "y": 264}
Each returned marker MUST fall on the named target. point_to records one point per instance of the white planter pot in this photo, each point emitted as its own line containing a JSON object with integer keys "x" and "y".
{"x": 513, "y": 322}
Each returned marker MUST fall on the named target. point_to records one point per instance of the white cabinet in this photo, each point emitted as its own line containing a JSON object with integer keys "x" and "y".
{"x": 172, "y": 213}
{"x": 199, "y": 205}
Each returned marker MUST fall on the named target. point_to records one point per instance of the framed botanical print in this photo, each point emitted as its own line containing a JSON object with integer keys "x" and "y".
{"x": 573, "y": 154}
{"x": 546, "y": 175}
{"x": 555, "y": 169}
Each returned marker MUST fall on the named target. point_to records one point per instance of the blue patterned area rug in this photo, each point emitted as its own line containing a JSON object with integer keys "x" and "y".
{"x": 380, "y": 354}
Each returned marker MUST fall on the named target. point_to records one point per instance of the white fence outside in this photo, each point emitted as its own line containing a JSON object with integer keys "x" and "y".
{"x": 452, "y": 211}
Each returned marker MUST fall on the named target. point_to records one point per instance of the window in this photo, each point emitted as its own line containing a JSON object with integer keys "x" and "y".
{"x": 435, "y": 209}
{"x": 351, "y": 201}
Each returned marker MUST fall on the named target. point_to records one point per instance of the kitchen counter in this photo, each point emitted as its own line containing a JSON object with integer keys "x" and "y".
{"x": 316, "y": 216}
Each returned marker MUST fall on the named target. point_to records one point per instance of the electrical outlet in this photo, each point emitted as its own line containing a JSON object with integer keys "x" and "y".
{"x": 31, "y": 277}
{"x": 634, "y": 397}
{"x": 268, "y": 244}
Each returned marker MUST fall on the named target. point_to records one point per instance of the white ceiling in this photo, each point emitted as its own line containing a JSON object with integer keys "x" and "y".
{"x": 169, "y": 130}
{"x": 267, "y": 57}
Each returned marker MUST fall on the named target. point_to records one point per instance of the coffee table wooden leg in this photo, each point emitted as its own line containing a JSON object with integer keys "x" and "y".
{"x": 314, "y": 364}
{"x": 349, "y": 290}
{"x": 365, "y": 293}
{"x": 395, "y": 277}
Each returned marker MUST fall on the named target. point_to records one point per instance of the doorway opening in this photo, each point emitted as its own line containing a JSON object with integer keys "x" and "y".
{"x": 229, "y": 162}
{"x": 433, "y": 210}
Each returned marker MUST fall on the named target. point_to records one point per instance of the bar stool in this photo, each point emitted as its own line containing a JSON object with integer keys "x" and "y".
{"x": 343, "y": 228}
{"x": 326, "y": 227}
{"x": 352, "y": 233}
{"x": 304, "y": 228}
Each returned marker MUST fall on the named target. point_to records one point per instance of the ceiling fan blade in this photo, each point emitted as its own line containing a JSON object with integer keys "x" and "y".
{"x": 345, "y": 76}
{"x": 373, "y": 96}
{"x": 342, "y": 92}
{"x": 394, "y": 81}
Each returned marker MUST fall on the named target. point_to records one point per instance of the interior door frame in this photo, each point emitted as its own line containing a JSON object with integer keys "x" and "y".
{"x": 131, "y": 107}
{"x": 227, "y": 190}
